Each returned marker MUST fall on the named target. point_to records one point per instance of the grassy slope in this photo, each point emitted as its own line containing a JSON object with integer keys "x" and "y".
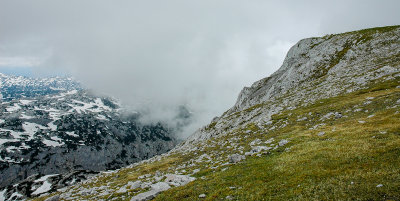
{"x": 348, "y": 162}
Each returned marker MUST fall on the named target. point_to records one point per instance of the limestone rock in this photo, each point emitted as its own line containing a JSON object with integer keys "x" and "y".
{"x": 234, "y": 158}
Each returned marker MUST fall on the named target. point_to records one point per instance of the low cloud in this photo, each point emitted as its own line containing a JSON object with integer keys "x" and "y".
{"x": 157, "y": 55}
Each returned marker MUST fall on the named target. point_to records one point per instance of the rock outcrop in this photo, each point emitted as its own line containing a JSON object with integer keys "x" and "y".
{"x": 271, "y": 123}
{"x": 315, "y": 68}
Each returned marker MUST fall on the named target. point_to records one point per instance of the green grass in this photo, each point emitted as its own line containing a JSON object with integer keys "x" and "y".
{"x": 360, "y": 36}
{"x": 323, "y": 70}
{"x": 211, "y": 126}
{"x": 347, "y": 163}
{"x": 366, "y": 33}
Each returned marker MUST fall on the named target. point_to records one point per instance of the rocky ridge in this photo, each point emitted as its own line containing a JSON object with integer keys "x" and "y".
{"x": 315, "y": 68}
{"x": 326, "y": 121}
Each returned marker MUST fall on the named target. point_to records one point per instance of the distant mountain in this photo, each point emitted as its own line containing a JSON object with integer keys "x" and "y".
{"x": 13, "y": 87}
{"x": 53, "y": 127}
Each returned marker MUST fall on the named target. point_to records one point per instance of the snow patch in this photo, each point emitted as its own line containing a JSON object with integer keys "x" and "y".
{"x": 31, "y": 128}
{"x": 96, "y": 106}
{"x": 11, "y": 148}
{"x": 15, "y": 195}
{"x": 24, "y": 116}
{"x": 55, "y": 138}
{"x": 52, "y": 126}
{"x": 26, "y": 102}
{"x": 44, "y": 178}
{"x": 52, "y": 143}
{"x": 101, "y": 117}
{"x": 2, "y": 141}
{"x": 57, "y": 89}
{"x": 14, "y": 108}
{"x": 72, "y": 133}
{"x": 2, "y": 195}
{"x": 71, "y": 92}
{"x": 45, "y": 187}
{"x": 16, "y": 135}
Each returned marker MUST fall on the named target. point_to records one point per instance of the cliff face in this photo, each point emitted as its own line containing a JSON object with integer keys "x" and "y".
{"x": 327, "y": 67}
{"x": 325, "y": 126}
{"x": 313, "y": 69}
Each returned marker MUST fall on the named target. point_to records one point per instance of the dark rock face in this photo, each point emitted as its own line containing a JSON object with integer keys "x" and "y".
{"x": 36, "y": 185}
{"x": 59, "y": 133}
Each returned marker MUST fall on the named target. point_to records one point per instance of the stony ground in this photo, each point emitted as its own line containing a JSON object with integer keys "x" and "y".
{"x": 326, "y": 126}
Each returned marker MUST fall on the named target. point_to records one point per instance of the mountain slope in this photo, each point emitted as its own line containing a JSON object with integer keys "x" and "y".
{"x": 325, "y": 126}
{"x": 63, "y": 136}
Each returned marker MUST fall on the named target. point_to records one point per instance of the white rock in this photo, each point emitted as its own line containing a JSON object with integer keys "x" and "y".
{"x": 202, "y": 195}
{"x": 283, "y": 142}
{"x": 302, "y": 119}
{"x": 178, "y": 180}
{"x": 145, "y": 184}
{"x": 53, "y": 198}
{"x": 257, "y": 149}
{"x": 145, "y": 196}
{"x": 327, "y": 116}
{"x": 367, "y": 102}
{"x": 316, "y": 126}
{"x": 234, "y": 158}
{"x": 134, "y": 185}
{"x": 269, "y": 141}
{"x": 160, "y": 186}
{"x": 144, "y": 176}
{"x": 338, "y": 115}
{"x": 254, "y": 142}
{"x": 156, "y": 189}
{"x": 122, "y": 190}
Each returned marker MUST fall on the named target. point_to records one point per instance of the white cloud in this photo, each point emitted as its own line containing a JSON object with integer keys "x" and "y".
{"x": 159, "y": 54}
{"x": 20, "y": 61}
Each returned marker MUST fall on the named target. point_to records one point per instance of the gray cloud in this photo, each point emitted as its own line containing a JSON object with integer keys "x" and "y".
{"x": 161, "y": 54}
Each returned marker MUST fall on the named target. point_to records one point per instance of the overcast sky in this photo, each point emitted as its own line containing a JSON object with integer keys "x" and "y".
{"x": 161, "y": 54}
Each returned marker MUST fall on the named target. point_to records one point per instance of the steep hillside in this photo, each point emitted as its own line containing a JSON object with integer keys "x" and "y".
{"x": 325, "y": 126}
